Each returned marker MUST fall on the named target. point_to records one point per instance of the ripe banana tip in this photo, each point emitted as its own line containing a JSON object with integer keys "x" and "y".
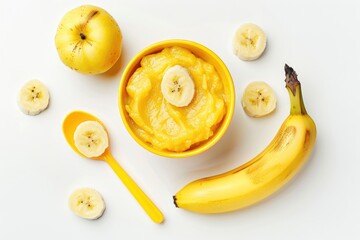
{"x": 291, "y": 78}
{"x": 174, "y": 198}
{"x": 288, "y": 69}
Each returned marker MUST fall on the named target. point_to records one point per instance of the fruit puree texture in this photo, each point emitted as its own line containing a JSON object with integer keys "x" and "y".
{"x": 164, "y": 125}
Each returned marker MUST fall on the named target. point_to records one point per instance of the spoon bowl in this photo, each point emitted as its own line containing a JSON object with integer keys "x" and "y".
{"x": 70, "y": 123}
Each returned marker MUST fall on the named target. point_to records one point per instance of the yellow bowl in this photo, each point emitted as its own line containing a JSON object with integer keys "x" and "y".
{"x": 201, "y": 52}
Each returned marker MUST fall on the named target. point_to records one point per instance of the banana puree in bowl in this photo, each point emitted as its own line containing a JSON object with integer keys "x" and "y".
{"x": 148, "y": 107}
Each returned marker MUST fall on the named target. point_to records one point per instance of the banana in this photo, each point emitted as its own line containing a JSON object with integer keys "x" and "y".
{"x": 87, "y": 203}
{"x": 33, "y": 98}
{"x": 259, "y": 99}
{"x": 177, "y": 86}
{"x": 249, "y": 42}
{"x": 264, "y": 174}
{"x": 91, "y": 138}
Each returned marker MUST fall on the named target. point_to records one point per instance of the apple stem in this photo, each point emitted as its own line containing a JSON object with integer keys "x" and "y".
{"x": 83, "y": 37}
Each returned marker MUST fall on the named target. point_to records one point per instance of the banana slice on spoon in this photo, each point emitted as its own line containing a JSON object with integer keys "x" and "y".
{"x": 258, "y": 99}
{"x": 33, "y": 98}
{"x": 249, "y": 42}
{"x": 87, "y": 203}
{"x": 91, "y": 138}
{"x": 177, "y": 86}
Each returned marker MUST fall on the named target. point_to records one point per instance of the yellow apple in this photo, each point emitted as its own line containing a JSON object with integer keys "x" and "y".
{"x": 88, "y": 40}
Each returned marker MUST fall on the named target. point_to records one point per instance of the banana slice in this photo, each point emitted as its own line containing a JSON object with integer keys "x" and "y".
{"x": 259, "y": 99}
{"x": 249, "y": 42}
{"x": 87, "y": 203}
{"x": 91, "y": 138}
{"x": 177, "y": 86}
{"x": 33, "y": 98}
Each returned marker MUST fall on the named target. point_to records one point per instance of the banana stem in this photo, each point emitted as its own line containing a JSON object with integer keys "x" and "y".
{"x": 294, "y": 88}
{"x": 145, "y": 202}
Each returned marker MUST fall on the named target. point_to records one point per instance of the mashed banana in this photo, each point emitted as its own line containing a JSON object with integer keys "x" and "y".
{"x": 163, "y": 125}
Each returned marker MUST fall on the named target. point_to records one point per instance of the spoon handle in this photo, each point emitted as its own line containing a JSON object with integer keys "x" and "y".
{"x": 145, "y": 202}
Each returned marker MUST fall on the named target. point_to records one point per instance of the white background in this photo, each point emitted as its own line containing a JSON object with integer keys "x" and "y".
{"x": 38, "y": 170}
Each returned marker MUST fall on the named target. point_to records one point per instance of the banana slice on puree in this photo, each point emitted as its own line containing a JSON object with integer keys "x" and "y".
{"x": 33, "y": 98}
{"x": 177, "y": 86}
{"x": 87, "y": 203}
{"x": 91, "y": 138}
{"x": 258, "y": 99}
{"x": 249, "y": 42}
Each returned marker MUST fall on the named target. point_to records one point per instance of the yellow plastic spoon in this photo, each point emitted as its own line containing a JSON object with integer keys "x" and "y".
{"x": 71, "y": 121}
